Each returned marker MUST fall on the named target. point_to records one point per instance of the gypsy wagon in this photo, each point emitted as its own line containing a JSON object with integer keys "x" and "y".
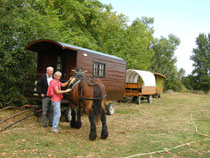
{"x": 160, "y": 82}
{"x": 65, "y": 57}
{"x": 140, "y": 85}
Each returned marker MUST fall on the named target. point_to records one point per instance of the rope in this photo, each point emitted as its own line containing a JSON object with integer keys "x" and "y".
{"x": 179, "y": 146}
{"x": 196, "y": 128}
{"x": 160, "y": 151}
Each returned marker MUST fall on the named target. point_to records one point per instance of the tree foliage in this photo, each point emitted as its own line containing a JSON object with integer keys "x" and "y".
{"x": 163, "y": 61}
{"x": 201, "y": 58}
{"x": 19, "y": 25}
{"x": 85, "y": 23}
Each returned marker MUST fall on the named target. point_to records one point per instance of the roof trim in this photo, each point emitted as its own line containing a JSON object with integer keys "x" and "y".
{"x": 158, "y": 74}
{"x": 71, "y": 47}
{"x": 43, "y": 40}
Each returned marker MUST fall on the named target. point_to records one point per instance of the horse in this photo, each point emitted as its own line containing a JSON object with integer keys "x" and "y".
{"x": 90, "y": 94}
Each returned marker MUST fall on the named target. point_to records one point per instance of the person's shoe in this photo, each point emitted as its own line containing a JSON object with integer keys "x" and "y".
{"x": 44, "y": 126}
{"x": 55, "y": 130}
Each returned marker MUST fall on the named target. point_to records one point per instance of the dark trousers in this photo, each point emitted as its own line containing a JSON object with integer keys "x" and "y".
{"x": 47, "y": 106}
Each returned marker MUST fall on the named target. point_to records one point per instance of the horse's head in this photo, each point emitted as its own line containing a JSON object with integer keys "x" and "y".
{"x": 77, "y": 76}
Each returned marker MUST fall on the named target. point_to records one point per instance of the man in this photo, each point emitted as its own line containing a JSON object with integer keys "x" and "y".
{"x": 55, "y": 92}
{"x": 42, "y": 87}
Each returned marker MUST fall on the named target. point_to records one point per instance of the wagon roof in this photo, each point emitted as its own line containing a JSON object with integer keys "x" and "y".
{"x": 36, "y": 46}
{"x": 158, "y": 74}
{"x": 147, "y": 77}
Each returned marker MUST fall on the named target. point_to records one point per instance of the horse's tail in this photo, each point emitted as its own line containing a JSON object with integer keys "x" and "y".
{"x": 97, "y": 103}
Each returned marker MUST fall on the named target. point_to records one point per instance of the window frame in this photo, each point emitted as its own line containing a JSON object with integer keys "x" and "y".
{"x": 99, "y": 69}
{"x": 59, "y": 62}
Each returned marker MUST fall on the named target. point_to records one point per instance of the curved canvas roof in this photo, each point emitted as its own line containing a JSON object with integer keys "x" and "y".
{"x": 148, "y": 78}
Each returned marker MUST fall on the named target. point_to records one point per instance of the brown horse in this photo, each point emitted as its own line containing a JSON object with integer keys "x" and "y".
{"x": 91, "y": 93}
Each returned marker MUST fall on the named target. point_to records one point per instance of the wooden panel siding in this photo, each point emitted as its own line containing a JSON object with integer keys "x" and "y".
{"x": 115, "y": 69}
{"x": 133, "y": 85}
{"x": 148, "y": 90}
{"x": 135, "y": 89}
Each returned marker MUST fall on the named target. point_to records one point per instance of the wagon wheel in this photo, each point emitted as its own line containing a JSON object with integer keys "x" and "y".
{"x": 138, "y": 100}
{"x": 67, "y": 114}
{"x": 110, "y": 109}
{"x": 149, "y": 99}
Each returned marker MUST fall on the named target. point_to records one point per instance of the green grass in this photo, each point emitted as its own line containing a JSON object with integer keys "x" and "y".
{"x": 133, "y": 129}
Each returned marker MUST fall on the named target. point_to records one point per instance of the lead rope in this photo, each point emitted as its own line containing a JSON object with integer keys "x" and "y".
{"x": 179, "y": 146}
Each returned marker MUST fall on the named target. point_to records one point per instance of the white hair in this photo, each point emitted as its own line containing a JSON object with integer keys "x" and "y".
{"x": 49, "y": 67}
{"x": 57, "y": 72}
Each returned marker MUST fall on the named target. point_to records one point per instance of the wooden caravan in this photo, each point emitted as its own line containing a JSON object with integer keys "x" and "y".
{"x": 139, "y": 85}
{"x": 65, "y": 57}
{"x": 160, "y": 82}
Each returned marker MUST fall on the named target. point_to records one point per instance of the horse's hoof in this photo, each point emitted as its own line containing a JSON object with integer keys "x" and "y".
{"x": 73, "y": 125}
{"x": 104, "y": 135}
{"x": 92, "y": 136}
{"x": 78, "y": 125}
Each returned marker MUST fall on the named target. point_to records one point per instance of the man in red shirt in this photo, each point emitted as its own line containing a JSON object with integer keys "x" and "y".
{"x": 55, "y": 92}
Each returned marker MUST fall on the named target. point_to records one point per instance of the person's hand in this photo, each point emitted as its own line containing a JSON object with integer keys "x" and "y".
{"x": 42, "y": 95}
{"x": 71, "y": 78}
{"x": 68, "y": 90}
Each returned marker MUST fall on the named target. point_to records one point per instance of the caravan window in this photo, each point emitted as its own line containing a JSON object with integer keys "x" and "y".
{"x": 98, "y": 69}
{"x": 59, "y": 64}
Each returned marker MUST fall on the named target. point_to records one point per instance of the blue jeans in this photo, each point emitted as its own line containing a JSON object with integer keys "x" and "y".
{"x": 56, "y": 114}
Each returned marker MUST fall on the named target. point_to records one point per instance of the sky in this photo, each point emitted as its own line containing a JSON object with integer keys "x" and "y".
{"x": 185, "y": 19}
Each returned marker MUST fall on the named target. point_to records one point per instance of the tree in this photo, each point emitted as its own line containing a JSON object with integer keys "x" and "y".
{"x": 136, "y": 46}
{"x": 20, "y": 24}
{"x": 189, "y": 82}
{"x": 201, "y": 58}
{"x": 163, "y": 60}
{"x": 132, "y": 43}
{"x": 181, "y": 74}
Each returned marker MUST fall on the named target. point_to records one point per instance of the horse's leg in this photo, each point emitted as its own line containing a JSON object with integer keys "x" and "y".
{"x": 93, "y": 134}
{"x": 73, "y": 120}
{"x": 78, "y": 123}
{"x": 104, "y": 132}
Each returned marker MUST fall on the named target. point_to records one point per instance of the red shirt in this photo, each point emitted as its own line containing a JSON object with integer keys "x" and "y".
{"x": 51, "y": 91}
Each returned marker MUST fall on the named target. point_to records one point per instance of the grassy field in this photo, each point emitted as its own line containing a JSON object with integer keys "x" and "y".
{"x": 133, "y": 129}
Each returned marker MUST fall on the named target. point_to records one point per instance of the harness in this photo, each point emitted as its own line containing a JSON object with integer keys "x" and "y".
{"x": 80, "y": 79}
{"x": 91, "y": 82}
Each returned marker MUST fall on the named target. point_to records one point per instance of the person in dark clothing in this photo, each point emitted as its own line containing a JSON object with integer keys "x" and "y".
{"x": 42, "y": 87}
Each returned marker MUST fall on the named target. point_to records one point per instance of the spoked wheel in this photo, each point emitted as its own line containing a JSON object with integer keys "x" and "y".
{"x": 149, "y": 99}
{"x": 110, "y": 109}
{"x": 67, "y": 113}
